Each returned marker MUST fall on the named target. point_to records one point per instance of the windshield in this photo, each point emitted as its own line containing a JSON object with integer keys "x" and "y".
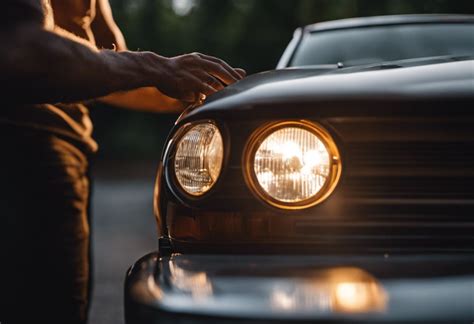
{"x": 368, "y": 45}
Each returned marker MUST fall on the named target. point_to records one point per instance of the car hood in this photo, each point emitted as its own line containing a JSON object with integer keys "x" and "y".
{"x": 379, "y": 82}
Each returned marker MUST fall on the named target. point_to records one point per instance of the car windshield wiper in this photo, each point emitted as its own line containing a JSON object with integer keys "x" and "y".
{"x": 316, "y": 66}
{"x": 408, "y": 62}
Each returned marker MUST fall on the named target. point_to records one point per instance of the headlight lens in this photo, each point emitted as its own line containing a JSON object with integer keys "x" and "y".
{"x": 294, "y": 165}
{"x": 198, "y": 159}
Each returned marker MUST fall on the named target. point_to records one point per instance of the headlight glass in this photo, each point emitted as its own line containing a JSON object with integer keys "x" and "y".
{"x": 198, "y": 159}
{"x": 295, "y": 164}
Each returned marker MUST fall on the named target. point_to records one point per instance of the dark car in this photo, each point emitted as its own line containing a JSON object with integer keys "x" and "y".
{"x": 339, "y": 187}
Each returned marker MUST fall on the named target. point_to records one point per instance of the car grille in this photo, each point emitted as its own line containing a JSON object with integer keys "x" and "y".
{"x": 386, "y": 159}
{"x": 415, "y": 159}
{"x": 407, "y": 184}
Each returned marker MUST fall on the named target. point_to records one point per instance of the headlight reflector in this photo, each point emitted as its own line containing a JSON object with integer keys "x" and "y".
{"x": 198, "y": 158}
{"x": 293, "y": 165}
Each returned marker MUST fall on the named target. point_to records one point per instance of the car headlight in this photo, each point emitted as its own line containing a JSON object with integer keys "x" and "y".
{"x": 292, "y": 165}
{"x": 198, "y": 158}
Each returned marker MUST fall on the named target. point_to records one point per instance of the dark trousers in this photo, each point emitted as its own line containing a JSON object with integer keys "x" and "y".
{"x": 44, "y": 228}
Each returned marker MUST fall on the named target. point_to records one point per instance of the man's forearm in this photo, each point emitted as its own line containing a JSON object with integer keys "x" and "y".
{"x": 145, "y": 99}
{"x": 46, "y": 67}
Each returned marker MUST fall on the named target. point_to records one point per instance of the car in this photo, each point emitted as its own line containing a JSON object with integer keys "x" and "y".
{"x": 337, "y": 188}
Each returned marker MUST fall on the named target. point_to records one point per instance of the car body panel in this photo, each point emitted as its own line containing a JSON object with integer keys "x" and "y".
{"x": 365, "y": 289}
{"x": 389, "y": 20}
{"x": 453, "y": 80}
{"x": 395, "y": 240}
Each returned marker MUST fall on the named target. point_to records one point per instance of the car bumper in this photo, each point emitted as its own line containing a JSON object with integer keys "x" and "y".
{"x": 366, "y": 289}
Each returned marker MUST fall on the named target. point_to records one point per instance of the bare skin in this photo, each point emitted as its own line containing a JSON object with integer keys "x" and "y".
{"x": 47, "y": 64}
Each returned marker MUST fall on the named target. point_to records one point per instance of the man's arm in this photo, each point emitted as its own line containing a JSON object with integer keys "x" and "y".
{"x": 46, "y": 67}
{"x": 106, "y": 32}
{"x": 108, "y": 35}
{"x": 148, "y": 99}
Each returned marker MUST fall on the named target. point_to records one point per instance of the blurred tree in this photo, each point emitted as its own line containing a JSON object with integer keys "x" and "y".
{"x": 247, "y": 33}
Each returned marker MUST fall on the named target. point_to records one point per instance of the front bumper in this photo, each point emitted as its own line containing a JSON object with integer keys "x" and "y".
{"x": 364, "y": 289}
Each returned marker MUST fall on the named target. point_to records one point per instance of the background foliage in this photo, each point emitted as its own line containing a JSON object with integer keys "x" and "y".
{"x": 247, "y": 33}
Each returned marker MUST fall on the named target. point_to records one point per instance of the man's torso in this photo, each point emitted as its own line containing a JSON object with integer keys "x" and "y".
{"x": 66, "y": 120}
{"x": 75, "y": 16}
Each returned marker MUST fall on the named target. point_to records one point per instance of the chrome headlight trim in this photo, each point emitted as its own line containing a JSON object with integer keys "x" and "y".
{"x": 264, "y": 132}
{"x": 173, "y": 146}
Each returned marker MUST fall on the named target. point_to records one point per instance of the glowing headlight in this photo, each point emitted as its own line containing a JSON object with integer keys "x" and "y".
{"x": 198, "y": 158}
{"x": 293, "y": 165}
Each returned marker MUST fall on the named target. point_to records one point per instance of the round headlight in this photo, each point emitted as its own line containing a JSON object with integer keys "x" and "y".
{"x": 198, "y": 158}
{"x": 293, "y": 165}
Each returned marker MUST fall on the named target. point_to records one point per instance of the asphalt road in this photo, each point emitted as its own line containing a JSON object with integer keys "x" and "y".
{"x": 123, "y": 231}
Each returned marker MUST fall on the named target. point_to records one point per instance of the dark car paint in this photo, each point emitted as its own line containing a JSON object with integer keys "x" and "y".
{"x": 418, "y": 94}
{"x": 358, "y": 105}
{"x": 429, "y": 288}
{"x": 427, "y": 196}
{"x": 450, "y": 80}
{"x": 389, "y": 20}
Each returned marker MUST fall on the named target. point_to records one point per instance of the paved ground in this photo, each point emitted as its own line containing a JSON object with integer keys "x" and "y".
{"x": 123, "y": 231}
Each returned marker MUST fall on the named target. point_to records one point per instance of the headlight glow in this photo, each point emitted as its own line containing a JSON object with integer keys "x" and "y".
{"x": 293, "y": 165}
{"x": 198, "y": 158}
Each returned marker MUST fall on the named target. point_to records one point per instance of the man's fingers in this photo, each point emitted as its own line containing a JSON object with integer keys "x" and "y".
{"x": 195, "y": 86}
{"x": 204, "y": 88}
{"x": 224, "y": 64}
{"x": 188, "y": 98}
{"x": 218, "y": 72}
{"x": 198, "y": 74}
{"x": 242, "y": 72}
{"x": 211, "y": 81}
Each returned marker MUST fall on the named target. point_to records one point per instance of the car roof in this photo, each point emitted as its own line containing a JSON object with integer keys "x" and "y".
{"x": 389, "y": 20}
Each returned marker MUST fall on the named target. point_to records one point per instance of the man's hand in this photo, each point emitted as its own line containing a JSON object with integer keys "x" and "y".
{"x": 176, "y": 82}
{"x": 187, "y": 77}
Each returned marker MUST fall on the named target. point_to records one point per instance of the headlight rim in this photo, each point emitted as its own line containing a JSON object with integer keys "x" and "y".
{"x": 256, "y": 139}
{"x": 169, "y": 161}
